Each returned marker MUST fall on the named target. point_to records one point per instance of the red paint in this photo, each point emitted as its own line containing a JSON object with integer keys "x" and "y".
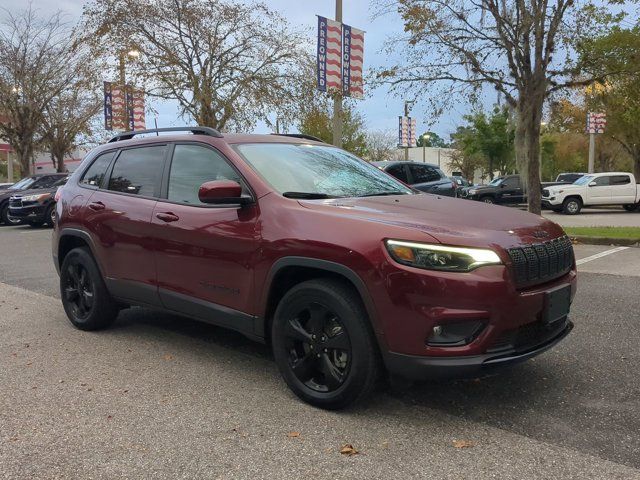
{"x": 224, "y": 254}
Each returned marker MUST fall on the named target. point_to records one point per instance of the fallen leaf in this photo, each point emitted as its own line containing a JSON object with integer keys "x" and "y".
{"x": 348, "y": 449}
{"x": 293, "y": 434}
{"x": 168, "y": 357}
{"x": 109, "y": 417}
{"x": 385, "y": 444}
{"x": 462, "y": 444}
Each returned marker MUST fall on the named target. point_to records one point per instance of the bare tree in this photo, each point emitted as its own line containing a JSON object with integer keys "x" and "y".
{"x": 226, "y": 63}
{"x": 38, "y": 61}
{"x": 381, "y": 145}
{"x": 520, "y": 49}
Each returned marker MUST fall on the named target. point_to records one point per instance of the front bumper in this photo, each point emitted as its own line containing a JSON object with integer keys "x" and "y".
{"x": 30, "y": 213}
{"x": 416, "y": 367}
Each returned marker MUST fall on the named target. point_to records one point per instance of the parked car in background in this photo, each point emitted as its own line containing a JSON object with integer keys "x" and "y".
{"x": 35, "y": 207}
{"x": 32, "y": 182}
{"x": 344, "y": 271}
{"x": 563, "y": 179}
{"x": 421, "y": 176}
{"x": 611, "y": 188}
{"x": 501, "y": 190}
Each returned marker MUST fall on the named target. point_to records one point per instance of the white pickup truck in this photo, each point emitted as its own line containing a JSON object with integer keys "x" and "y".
{"x": 611, "y": 188}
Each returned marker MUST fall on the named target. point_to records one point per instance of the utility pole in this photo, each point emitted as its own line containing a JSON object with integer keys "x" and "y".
{"x": 592, "y": 152}
{"x": 337, "y": 100}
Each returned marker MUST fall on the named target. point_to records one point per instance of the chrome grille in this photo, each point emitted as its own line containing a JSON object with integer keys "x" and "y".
{"x": 541, "y": 262}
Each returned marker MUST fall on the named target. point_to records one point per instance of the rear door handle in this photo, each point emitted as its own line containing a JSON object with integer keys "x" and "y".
{"x": 167, "y": 217}
{"x": 95, "y": 206}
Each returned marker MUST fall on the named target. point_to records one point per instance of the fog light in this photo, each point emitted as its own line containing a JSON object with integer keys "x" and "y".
{"x": 455, "y": 334}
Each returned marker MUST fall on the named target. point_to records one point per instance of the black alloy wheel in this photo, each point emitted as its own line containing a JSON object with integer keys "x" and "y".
{"x": 319, "y": 348}
{"x": 78, "y": 290}
{"x": 323, "y": 344}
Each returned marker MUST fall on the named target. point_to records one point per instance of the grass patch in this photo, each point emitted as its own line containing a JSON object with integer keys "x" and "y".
{"x": 627, "y": 233}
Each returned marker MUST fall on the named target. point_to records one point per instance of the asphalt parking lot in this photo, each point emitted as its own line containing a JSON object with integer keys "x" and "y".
{"x": 596, "y": 217}
{"x": 159, "y": 396}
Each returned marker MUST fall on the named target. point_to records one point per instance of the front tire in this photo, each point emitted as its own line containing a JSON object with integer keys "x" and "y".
{"x": 5, "y": 218}
{"x": 571, "y": 206}
{"x": 631, "y": 207}
{"x": 50, "y": 215}
{"x": 488, "y": 200}
{"x": 85, "y": 297}
{"x": 323, "y": 344}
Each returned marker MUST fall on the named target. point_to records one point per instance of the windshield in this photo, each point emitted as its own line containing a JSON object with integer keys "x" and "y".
{"x": 22, "y": 184}
{"x": 318, "y": 171}
{"x": 495, "y": 181}
{"x": 583, "y": 180}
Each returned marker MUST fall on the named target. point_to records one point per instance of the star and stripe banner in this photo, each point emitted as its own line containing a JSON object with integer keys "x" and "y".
{"x": 117, "y": 101}
{"x": 340, "y": 56}
{"x": 406, "y": 131}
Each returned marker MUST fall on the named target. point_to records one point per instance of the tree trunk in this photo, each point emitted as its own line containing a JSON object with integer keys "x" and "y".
{"x": 636, "y": 165}
{"x": 527, "y": 143}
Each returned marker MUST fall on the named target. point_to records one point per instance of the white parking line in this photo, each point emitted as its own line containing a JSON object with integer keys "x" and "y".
{"x": 600, "y": 255}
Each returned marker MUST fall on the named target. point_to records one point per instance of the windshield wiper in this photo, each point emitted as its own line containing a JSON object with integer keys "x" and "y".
{"x": 306, "y": 195}
{"x": 382, "y": 194}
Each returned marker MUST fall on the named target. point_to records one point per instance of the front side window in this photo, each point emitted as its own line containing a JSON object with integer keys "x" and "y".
{"x": 399, "y": 172}
{"x": 511, "y": 182}
{"x": 424, "y": 174}
{"x": 138, "y": 171}
{"x": 602, "y": 181}
{"x": 317, "y": 170}
{"x": 193, "y": 165}
{"x": 96, "y": 172}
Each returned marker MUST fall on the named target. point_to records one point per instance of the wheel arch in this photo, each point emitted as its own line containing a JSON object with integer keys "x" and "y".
{"x": 71, "y": 238}
{"x": 289, "y": 271}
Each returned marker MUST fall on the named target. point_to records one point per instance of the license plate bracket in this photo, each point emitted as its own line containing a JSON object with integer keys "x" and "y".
{"x": 557, "y": 304}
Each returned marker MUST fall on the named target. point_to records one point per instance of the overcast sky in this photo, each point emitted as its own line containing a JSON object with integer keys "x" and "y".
{"x": 380, "y": 109}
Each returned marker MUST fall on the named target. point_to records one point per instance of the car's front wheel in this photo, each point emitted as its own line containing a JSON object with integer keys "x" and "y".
{"x": 323, "y": 344}
{"x": 572, "y": 206}
{"x": 6, "y": 218}
{"x": 487, "y": 200}
{"x": 85, "y": 297}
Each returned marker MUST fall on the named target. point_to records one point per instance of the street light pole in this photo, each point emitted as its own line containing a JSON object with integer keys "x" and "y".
{"x": 337, "y": 100}
{"x": 425, "y": 139}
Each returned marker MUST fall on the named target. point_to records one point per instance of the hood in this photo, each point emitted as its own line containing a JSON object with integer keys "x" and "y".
{"x": 451, "y": 221}
{"x": 33, "y": 191}
{"x": 563, "y": 186}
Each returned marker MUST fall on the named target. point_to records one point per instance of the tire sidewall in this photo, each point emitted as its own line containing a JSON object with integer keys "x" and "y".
{"x": 565, "y": 207}
{"x": 488, "y": 200}
{"x": 359, "y": 338}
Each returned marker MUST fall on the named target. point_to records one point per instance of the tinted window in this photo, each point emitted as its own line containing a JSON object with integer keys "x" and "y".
{"x": 192, "y": 166}
{"x": 399, "y": 172}
{"x": 138, "y": 171}
{"x": 46, "y": 181}
{"x": 95, "y": 173}
{"x": 620, "y": 180}
{"x": 602, "y": 181}
{"x": 511, "y": 182}
{"x": 424, "y": 173}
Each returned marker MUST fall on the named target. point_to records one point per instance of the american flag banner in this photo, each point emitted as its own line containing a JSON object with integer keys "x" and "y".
{"x": 136, "y": 113}
{"x": 329, "y": 54}
{"x": 352, "y": 62}
{"x": 412, "y": 132}
{"x": 403, "y": 131}
{"x": 108, "y": 106}
{"x": 118, "y": 107}
{"x": 596, "y": 122}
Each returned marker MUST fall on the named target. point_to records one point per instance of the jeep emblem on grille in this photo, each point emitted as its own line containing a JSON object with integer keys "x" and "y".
{"x": 540, "y": 234}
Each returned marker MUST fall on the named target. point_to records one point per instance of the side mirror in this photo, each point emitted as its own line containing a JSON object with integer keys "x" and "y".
{"x": 593, "y": 184}
{"x": 222, "y": 192}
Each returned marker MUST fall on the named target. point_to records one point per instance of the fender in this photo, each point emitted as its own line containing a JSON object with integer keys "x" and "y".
{"x": 318, "y": 264}
{"x": 76, "y": 232}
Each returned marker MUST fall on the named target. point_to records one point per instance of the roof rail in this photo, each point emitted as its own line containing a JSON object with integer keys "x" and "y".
{"x": 300, "y": 135}
{"x": 212, "y": 132}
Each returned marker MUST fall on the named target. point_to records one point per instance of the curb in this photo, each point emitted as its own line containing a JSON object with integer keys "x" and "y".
{"x": 627, "y": 242}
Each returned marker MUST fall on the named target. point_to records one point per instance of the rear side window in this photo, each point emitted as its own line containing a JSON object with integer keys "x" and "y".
{"x": 424, "y": 173}
{"x": 138, "y": 171}
{"x": 192, "y": 166}
{"x": 96, "y": 172}
{"x": 399, "y": 172}
{"x": 620, "y": 180}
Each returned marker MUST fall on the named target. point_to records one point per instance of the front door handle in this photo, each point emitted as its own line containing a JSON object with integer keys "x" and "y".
{"x": 167, "y": 217}
{"x": 95, "y": 206}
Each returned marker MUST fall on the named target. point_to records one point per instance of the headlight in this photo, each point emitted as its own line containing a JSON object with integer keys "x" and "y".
{"x": 473, "y": 192}
{"x": 36, "y": 198}
{"x": 441, "y": 257}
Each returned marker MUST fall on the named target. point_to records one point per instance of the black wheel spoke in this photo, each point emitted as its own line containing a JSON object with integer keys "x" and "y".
{"x": 304, "y": 367}
{"x": 73, "y": 273}
{"x": 339, "y": 341}
{"x": 88, "y": 299}
{"x": 316, "y": 321}
{"x": 71, "y": 293}
{"x": 332, "y": 375}
{"x": 296, "y": 331}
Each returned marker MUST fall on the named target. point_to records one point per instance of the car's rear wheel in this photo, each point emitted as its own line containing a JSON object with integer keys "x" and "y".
{"x": 85, "y": 297}
{"x": 571, "y": 206}
{"x": 323, "y": 344}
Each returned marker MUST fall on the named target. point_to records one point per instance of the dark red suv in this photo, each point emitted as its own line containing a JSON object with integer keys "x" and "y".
{"x": 345, "y": 271}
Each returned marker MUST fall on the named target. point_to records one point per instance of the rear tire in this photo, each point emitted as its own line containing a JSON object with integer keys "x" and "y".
{"x": 85, "y": 297}
{"x": 323, "y": 344}
{"x": 572, "y": 206}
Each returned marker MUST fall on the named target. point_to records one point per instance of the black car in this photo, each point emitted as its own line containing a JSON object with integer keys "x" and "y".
{"x": 501, "y": 190}
{"x": 32, "y": 182}
{"x": 35, "y": 207}
{"x": 422, "y": 176}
